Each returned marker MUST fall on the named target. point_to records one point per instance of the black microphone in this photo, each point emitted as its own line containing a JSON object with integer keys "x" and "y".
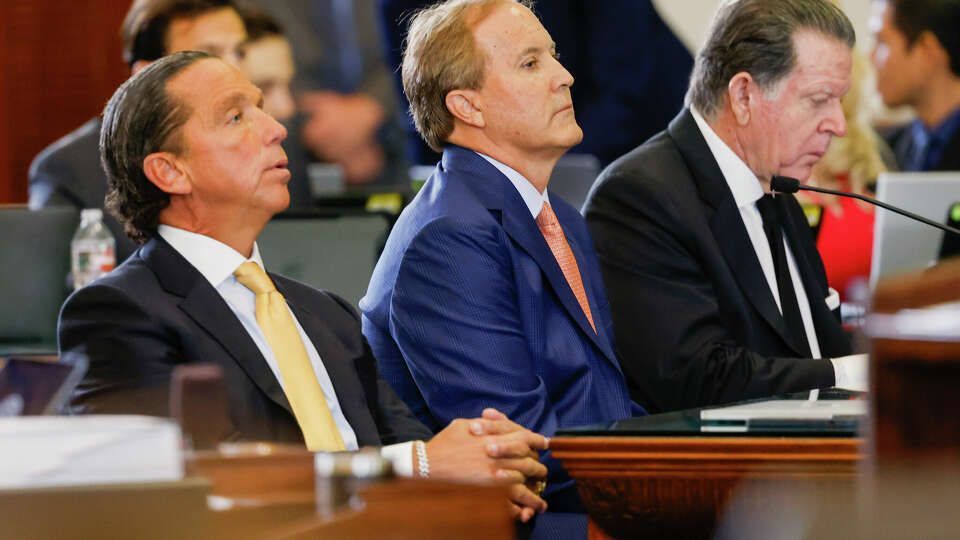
{"x": 785, "y": 184}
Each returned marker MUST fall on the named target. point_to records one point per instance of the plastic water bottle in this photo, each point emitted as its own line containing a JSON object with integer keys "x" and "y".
{"x": 93, "y": 249}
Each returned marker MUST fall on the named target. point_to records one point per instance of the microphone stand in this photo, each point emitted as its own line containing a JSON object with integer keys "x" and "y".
{"x": 894, "y": 209}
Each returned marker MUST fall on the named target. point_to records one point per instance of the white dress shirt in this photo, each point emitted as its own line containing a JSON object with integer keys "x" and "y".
{"x": 531, "y": 197}
{"x": 747, "y": 190}
{"x": 216, "y": 262}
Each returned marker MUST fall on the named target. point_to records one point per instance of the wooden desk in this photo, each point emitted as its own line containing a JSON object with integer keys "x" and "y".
{"x": 674, "y": 485}
{"x": 271, "y": 495}
{"x": 254, "y": 496}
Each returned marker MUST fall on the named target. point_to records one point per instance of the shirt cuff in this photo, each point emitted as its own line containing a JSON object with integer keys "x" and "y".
{"x": 851, "y": 372}
{"x": 401, "y": 455}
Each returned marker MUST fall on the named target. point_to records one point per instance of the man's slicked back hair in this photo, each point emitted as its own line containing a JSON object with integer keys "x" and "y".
{"x": 756, "y": 36}
{"x": 141, "y": 118}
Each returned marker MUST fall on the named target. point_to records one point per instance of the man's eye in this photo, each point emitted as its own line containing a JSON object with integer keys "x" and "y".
{"x": 530, "y": 63}
{"x": 236, "y": 118}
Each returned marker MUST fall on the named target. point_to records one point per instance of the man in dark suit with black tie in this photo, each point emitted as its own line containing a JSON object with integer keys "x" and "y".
{"x": 195, "y": 170}
{"x": 716, "y": 288}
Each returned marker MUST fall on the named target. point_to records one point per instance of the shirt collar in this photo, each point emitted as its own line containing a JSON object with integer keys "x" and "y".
{"x": 214, "y": 260}
{"x": 531, "y": 197}
{"x": 743, "y": 182}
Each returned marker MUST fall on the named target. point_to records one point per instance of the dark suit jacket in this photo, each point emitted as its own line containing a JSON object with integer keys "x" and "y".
{"x": 902, "y": 142}
{"x": 68, "y": 173}
{"x": 468, "y": 308}
{"x": 630, "y": 71}
{"x": 695, "y": 321}
{"x": 156, "y": 311}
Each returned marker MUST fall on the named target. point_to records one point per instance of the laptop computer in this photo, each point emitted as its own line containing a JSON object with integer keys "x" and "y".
{"x": 30, "y": 386}
{"x": 901, "y": 244}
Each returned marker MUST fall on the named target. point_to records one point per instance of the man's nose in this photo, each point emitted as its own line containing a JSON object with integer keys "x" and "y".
{"x": 275, "y": 132}
{"x": 563, "y": 78}
{"x": 836, "y": 121}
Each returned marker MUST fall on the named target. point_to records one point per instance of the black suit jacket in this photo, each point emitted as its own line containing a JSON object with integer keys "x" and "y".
{"x": 156, "y": 311}
{"x": 695, "y": 321}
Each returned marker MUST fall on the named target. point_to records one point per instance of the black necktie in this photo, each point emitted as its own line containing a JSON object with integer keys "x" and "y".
{"x": 771, "y": 215}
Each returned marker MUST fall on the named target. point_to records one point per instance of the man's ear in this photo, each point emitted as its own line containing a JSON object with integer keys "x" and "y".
{"x": 167, "y": 173}
{"x": 466, "y": 106}
{"x": 742, "y": 90}
{"x": 932, "y": 49}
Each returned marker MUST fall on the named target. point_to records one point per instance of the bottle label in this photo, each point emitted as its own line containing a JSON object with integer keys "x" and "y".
{"x": 90, "y": 263}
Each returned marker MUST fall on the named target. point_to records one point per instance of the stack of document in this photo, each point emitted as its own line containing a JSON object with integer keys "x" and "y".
{"x": 788, "y": 409}
{"x": 38, "y": 451}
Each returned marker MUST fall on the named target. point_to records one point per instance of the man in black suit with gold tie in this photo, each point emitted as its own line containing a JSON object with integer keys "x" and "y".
{"x": 195, "y": 170}
{"x": 717, "y": 291}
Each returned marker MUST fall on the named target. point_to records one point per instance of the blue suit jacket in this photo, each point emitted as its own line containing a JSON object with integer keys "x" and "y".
{"x": 468, "y": 308}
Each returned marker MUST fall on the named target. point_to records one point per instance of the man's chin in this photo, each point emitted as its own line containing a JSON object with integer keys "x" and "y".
{"x": 801, "y": 173}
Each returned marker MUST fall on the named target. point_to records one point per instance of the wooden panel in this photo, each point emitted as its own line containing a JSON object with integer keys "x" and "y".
{"x": 271, "y": 495}
{"x": 915, "y": 377}
{"x": 676, "y": 487}
{"x": 60, "y": 62}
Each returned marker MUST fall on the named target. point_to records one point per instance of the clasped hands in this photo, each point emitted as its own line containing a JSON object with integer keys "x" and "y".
{"x": 492, "y": 449}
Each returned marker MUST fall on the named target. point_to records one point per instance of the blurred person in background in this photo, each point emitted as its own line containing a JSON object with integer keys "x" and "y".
{"x": 343, "y": 88}
{"x": 268, "y": 63}
{"x": 630, "y": 69}
{"x": 68, "y": 172}
{"x": 917, "y": 56}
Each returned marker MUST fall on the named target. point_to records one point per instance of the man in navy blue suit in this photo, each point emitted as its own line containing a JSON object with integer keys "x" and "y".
{"x": 488, "y": 292}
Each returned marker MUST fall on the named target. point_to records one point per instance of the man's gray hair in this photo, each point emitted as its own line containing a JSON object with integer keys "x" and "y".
{"x": 756, "y": 36}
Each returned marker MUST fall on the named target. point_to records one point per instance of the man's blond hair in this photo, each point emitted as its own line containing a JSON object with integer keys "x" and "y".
{"x": 440, "y": 56}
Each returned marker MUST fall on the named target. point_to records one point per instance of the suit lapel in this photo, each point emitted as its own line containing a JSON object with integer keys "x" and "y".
{"x": 726, "y": 223}
{"x": 591, "y": 284}
{"x": 497, "y": 193}
{"x": 337, "y": 361}
{"x": 202, "y": 303}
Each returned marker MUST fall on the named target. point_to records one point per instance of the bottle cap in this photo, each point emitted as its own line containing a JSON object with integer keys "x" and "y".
{"x": 91, "y": 214}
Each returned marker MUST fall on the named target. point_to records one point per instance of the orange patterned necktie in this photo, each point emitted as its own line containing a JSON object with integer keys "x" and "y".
{"x": 553, "y": 234}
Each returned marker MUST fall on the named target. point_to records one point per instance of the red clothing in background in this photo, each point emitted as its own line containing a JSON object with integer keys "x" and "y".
{"x": 845, "y": 243}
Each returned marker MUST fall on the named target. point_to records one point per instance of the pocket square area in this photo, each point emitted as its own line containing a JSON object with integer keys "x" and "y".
{"x": 832, "y": 299}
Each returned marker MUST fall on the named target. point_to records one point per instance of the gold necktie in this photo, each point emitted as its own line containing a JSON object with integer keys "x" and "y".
{"x": 299, "y": 381}
{"x": 553, "y": 234}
